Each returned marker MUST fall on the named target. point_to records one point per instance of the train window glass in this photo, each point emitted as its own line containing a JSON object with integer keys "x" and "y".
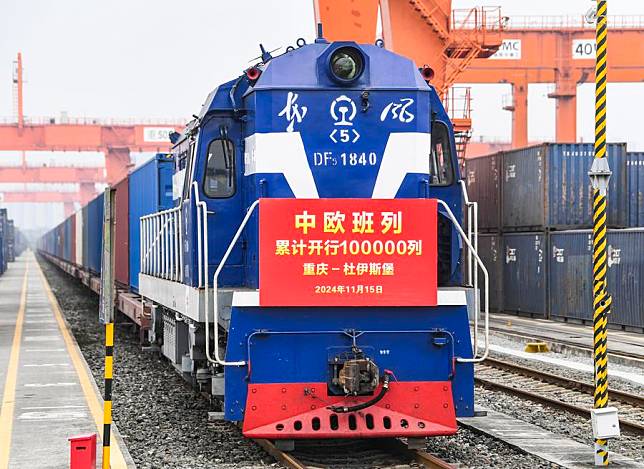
{"x": 219, "y": 180}
{"x": 440, "y": 164}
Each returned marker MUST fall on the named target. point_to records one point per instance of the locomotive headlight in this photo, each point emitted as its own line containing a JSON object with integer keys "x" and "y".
{"x": 346, "y": 64}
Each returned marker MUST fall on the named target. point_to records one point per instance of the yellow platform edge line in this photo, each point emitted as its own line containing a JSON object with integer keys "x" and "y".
{"x": 9, "y": 395}
{"x": 95, "y": 404}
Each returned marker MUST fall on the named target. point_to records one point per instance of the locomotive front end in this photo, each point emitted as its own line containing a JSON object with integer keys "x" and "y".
{"x": 354, "y": 320}
{"x": 315, "y": 285}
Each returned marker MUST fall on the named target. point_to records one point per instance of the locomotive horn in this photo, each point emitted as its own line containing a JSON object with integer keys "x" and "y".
{"x": 253, "y": 73}
{"x": 427, "y": 73}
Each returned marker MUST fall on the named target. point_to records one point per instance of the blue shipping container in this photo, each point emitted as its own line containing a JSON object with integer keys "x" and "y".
{"x": 547, "y": 187}
{"x": 483, "y": 179}
{"x": 491, "y": 253}
{"x": 150, "y": 191}
{"x": 524, "y": 273}
{"x": 635, "y": 171}
{"x": 85, "y": 215}
{"x": 570, "y": 276}
{"x": 67, "y": 240}
{"x": 94, "y": 223}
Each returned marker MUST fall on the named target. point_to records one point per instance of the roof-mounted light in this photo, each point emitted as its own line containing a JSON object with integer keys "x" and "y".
{"x": 346, "y": 64}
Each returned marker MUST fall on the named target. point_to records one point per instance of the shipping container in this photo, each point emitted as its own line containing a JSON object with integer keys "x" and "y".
{"x": 95, "y": 234}
{"x": 121, "y": 233}
{"x": 78, "y": 217}
{"x": 635, "y": 171}
{"x": 85, "y": 217}
{"x": 571, "y": 283}
{"x": 570, "y": 274}
{"x": 11, "y": 241}
{"x": 490, "y": 250}
{"x": 153, "y": 183}
{"x": 524, "y": 273}
{"x": 67, "y": 243}
{"x": 4, "y": 221}
{"x": 547, "y": 187}
{"x": 483, "y": 178}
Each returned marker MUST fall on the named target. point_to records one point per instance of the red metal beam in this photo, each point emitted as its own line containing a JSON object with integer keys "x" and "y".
{"x": 42, "y": 197}
{"x": 52, "y": 174}
{"x": 91, "y": 137}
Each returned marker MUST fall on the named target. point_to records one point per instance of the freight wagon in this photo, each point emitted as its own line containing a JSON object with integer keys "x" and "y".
{"x": 78, "y": 239}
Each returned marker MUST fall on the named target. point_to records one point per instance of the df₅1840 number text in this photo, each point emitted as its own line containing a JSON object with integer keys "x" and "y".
{"x": 328, "y": 158}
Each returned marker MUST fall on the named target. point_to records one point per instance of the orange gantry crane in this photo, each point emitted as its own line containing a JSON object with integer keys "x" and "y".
{"x": 559, "y": 50}
{"x": 480, "y": 45}
{"x": 115, "y": 138}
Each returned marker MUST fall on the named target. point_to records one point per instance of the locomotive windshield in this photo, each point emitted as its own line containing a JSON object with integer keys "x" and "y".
{"x": 440, "y": 165}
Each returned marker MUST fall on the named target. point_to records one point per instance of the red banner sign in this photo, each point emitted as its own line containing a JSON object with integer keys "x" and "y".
{"x": 347, "y": 252}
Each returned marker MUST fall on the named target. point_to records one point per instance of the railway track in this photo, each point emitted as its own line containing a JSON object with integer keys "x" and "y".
{"x": 353, "y": 454}
{"x": 570, "y": 344}
{"x": 557, "y": 391}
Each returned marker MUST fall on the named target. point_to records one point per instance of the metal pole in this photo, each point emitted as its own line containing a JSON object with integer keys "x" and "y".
{"x": 107, "y": 401}
{"x": 600, "y": 175}
{"x": 106, "y": 316}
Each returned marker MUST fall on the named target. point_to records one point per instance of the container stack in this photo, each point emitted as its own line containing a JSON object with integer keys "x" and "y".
{"x": 534, "y": 223}
{"x": 7, "y": 241}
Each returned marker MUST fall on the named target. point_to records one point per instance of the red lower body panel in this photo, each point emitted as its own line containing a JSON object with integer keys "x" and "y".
{"x": 299, "y": 410}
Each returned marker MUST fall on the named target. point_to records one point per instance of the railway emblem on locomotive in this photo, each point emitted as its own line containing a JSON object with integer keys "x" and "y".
{"x": 343, "y": 111}
{"x": 293, "y": 112}
{"x": 398, "y": 111}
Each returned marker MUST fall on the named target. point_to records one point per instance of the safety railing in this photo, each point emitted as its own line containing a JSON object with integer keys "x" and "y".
{"x": 572, "y": 22}
{"x": 161, "y": 244}
{"x": 458, "y": 102}
{"x": 479, "y": 19}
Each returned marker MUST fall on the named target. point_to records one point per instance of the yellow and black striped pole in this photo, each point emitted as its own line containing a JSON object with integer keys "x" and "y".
{"x": 107, "y": 404}
{"x": 600, "y": 175}
{"x": 106, "y": 315}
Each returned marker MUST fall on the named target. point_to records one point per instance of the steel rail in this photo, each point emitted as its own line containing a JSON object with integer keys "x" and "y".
{"x": 394, "y": 445}
{"x": 571, "y": 385}
{"x": 280, "y": 456}
{"x": 629, "y": 398}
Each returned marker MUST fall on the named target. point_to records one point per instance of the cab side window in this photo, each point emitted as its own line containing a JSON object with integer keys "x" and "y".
{"x": 440, "y": 161}
{"x": 219, "y": 179}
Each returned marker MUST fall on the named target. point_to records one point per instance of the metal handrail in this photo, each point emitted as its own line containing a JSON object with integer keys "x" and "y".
{"x": 473, "y": 274}
{"x": 487, "y": 287}
{"x": 215, "y": 289}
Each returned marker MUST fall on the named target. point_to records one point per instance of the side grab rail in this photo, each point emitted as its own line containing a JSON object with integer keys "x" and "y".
{"x": 473, "y": 271}
{"x": 458, "y": 227}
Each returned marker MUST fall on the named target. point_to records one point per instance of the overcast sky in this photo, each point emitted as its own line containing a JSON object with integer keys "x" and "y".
{"x": 160, "y": 58}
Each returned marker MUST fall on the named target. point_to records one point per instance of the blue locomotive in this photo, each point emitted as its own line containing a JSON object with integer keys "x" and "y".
{"x": 323, "y": 123}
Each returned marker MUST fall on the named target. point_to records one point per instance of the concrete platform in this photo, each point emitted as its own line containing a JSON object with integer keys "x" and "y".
{"x": 48, "y": 393}
{"x": 623, "y": 347}
{"x": 539, "y": 442}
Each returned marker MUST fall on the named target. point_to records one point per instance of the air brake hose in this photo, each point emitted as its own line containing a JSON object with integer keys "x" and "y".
{"x": 364, "y": 405}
